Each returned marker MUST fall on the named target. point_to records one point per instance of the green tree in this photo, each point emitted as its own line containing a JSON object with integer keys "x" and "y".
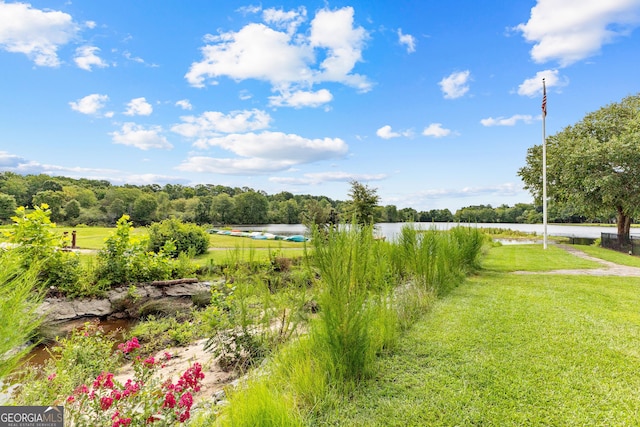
{"x": 72, "y": 210}
{"x": 144, "y": 209}
{"x": 363, "y": 202}
{"x": 7, "y": 206}
{"x": 251, "y": 208}
{"x": 594, "y": 164}
{"x": 223, "y": 208}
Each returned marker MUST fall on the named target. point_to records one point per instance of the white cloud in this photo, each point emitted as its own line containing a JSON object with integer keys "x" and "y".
{"x": 455, "y": 85}
{"x": 10, "y": 161}
{"x": 237, "y": 166}
{"x": 34, "y": 32}
{"x": 507, "y": 121}
{"x": 90, "y": 24}
{"x": 130, "y": 57}
{"x": 571, "y": 30}
{"x": 385, "y": 132}
{"x": 408, "y": 40}
{"x": 278, "y": 145}
{"x": 184, "y": 104}
{"x": 320, "y": 177}
{"x": 86, "y": 58}
{"x": 140, "y": 137}
{"x": 138, "y": 107}
{"x": 301, "y": 98}
{"x": 334, "y": 31}
{"x": 436, "y": 130}
{"x": 213, "y": 123}
{"x": 286, "y": 59}
{"x": 264, "y": 153}
{"x": 90, "y": 104}
{"x": 533, "y": 86}
{"x": 20, "y": 165}
{"x": 289, "y": 21}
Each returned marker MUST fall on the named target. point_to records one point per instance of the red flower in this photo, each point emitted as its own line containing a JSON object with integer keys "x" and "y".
{"x": 129, "y": 346}
{"x": 184, "y": 416}
{"x": 106, "y": 402}
{"x": 149, "y": 361}
{"x": 186, "y": 400}
{"x": 169, "y": 400}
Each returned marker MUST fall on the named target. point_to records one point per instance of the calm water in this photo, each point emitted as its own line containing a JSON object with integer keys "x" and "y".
{"x": 391, "y": 230}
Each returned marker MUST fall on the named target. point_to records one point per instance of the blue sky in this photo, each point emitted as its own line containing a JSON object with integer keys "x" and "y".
{"x": 434, "y": 104}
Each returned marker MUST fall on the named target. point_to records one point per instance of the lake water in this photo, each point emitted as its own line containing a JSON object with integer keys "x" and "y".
{"x": 391, "y": 230}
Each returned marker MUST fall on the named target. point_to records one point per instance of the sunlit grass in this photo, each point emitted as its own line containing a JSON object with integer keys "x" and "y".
{"x": 511, "y": 350}
{"x": 611, "y": 255}
{"x": 534, "y": 258}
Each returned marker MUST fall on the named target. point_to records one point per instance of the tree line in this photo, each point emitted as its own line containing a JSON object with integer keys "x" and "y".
{"x": 100, "y": 203}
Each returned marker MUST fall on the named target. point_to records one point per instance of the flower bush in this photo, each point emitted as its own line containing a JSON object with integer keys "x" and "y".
{"x": 141, "y": 400}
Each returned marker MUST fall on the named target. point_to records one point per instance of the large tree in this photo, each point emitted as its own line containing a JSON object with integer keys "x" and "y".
{"x": 594, "y": 164}
{"x": 363, "y": 202}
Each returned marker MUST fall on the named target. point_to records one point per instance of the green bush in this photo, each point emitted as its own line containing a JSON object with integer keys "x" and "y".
{"x": 124, "y": 260}
{"x": 75, "y": 360}
{"x": 183, "y": 237}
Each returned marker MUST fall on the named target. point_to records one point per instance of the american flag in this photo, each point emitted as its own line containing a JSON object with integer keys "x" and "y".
{"x": 544, "y": 99}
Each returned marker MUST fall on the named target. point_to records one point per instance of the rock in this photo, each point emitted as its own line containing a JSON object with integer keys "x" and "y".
{"x": 92, "y": 307}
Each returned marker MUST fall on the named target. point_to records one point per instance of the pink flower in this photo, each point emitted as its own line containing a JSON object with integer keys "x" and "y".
{"x": 167, "y": 355}
{"x": 106, "y": 402}
{"x": 129, "y": 346}
{"x": 108, "y": 382}
{"x": 169, "y": 400}
{"x": 186, "y": 400}
{"x": 184, "y": 416}
{"x": 71, "y": 399}
{"x": 150, "y": 361}
{"x": 51, "y": 377}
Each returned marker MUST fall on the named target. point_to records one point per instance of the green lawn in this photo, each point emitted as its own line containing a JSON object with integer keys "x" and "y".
{"x": 534, "y": 258}
{"x": 512, "y": 350}
{"x": 611, "y": 255}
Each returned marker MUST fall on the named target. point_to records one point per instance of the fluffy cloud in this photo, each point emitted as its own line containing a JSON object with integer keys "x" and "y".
{"x": 34, "y": 32}
{"x": 86, "y": 58}
{"x": 278, "y": 146}
{"x": 286, "y": 58}
{"x": 436, "y": 130}
{"x": 570, "y": 30}
{"x": 506, "y": 121}
{"x": 301, "y": 98}
{"x": 289, "y": 21}
{"x": 533, "y": 86}
{"x": 456, "y": 84}
{"x": 90, "y": 104}
{"x": 138, "y": 107}
{"x": 140, "y": 137}
{"x": 214, "y": 123}
{"x": 320, "y": 177}
{"x": 385, "y": 132}
{"x": 10, "y": 161}
{"x": 265, "y": 152}
{"x": 184, "y": 104}
{"x": 407, "y": 40}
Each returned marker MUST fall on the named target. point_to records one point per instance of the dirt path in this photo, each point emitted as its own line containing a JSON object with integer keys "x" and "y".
{"x": 608, "y": 268}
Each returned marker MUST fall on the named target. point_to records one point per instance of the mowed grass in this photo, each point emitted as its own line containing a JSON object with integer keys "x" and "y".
{"x": 611, "y": 255}
{"x": 511, "y": 350}
{"x": 533, "y": 257}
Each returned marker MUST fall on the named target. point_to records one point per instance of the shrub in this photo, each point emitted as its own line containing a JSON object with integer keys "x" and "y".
{"x": 183, "y": 237}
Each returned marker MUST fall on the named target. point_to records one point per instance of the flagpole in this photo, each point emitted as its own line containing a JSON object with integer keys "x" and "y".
{"x": 544, "y": 162}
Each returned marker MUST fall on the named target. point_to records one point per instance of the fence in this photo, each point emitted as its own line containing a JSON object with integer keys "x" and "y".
{"x": 620, "y": 243}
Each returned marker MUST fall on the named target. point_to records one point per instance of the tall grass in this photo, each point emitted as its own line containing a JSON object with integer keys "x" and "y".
{"x": 368, "y": 292}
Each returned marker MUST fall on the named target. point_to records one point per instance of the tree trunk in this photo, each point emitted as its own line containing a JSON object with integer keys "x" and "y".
{"x": 623, "y": 222}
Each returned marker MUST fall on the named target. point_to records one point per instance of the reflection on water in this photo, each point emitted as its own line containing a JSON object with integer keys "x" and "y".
{"x": 390, "y": 230}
